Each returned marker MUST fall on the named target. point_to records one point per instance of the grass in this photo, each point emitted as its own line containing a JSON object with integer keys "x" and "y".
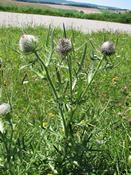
{"x": 104, "y": 16}
{"x": 98, "y": 132}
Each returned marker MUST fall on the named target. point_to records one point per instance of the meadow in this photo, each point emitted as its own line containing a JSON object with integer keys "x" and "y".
{"x": 52, "y": 128}
{"x": 105, "y": 15}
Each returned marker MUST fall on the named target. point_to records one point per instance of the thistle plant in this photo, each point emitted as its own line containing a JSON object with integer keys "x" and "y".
{"x": 70, "y": 82}
{"x": 94, "y": 102}
{"x": 29, "y": 43}
{"x": 70, "y": 113}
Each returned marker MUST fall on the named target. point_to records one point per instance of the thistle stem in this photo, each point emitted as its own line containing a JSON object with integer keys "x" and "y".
{"x": 70, "y": 75}
{"x": 54, "y": 91}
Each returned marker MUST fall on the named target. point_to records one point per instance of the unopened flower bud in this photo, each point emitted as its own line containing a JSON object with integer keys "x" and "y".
{"x": 28, "y": 43}
{"x": 108, "y": 48}
{"x": 64, "y": 46}
{"x": 4, "y": 108}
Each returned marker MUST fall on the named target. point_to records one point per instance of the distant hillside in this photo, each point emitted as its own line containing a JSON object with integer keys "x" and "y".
{"x": 72, "y": 3}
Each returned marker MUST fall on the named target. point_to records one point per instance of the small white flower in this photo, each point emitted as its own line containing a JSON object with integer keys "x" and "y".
{"x": 4, "y": 108}
{"x": 28, "y": 43}
{"x": 64, "y": 46}
{"x": 108, "y": 48}
{"x": 1, "y": 127}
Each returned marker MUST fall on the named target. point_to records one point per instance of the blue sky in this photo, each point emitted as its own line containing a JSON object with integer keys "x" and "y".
{"x": 115, "y": 3}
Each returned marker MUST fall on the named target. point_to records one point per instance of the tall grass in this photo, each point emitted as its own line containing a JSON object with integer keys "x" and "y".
{"x": 104, "y": 16}
{"x": 94, "y": 137}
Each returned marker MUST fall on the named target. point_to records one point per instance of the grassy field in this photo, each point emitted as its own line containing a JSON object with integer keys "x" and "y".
{"x": 95, "y": 138}
{"x": 12, "y": 6}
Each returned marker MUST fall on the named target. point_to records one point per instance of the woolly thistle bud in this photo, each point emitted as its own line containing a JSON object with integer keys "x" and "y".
{"x": 108, "y": 48}
{"x": 4, "y": 108}
{"x": 28, "y": 43}
{"x": 64, "y": 46}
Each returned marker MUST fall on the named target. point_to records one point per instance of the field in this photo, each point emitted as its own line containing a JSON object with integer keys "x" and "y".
{"x": 65, "y": 11}
{"x": 49, "y": 6}
{"x": 52, "y": 128}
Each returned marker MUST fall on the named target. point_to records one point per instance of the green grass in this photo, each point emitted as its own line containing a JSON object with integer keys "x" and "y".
{"x": 104, "y": 16}
{"x": 34, "y": 141}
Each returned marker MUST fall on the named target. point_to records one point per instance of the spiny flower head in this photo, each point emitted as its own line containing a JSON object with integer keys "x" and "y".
{"x": 4, "y": 108}
{"x": 28, "y": 43}
{"x": 64, "y": 46}
{"x": 108, "y": 48}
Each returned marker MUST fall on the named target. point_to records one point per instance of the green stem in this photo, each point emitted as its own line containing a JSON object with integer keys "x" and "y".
{"x": 48, "y": 76}
{"x": 70, "y": 75}
{"x": 54, "y": 91}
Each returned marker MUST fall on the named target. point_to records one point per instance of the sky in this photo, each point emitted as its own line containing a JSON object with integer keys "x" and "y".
{"x": 113, "y": 3}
